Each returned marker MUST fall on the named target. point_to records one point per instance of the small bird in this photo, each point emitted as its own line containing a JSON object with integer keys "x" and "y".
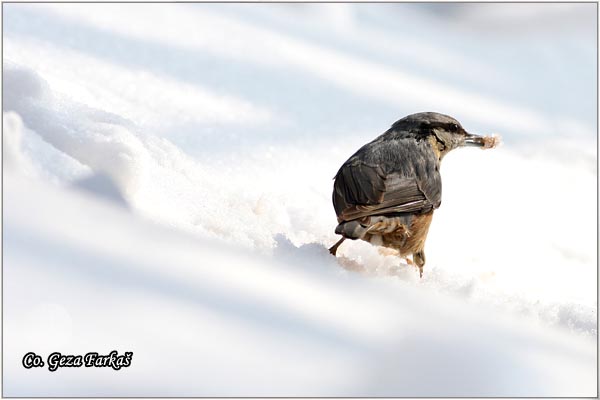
{"x": 385, "y": 194}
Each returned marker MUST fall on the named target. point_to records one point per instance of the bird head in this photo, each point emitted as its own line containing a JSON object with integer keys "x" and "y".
{"x": 444, "y": 132}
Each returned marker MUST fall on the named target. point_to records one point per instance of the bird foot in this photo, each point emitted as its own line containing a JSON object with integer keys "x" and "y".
{"x": 411, "y": 262}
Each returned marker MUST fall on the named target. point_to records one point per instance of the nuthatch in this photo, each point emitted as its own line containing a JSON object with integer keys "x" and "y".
{"x": 386, "y": 192}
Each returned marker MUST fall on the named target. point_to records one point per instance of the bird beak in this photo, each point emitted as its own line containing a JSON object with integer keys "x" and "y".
{"x": 474, "y": 140}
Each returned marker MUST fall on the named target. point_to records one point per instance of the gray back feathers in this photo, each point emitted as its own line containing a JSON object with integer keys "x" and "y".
{"x": 397, "y": 172}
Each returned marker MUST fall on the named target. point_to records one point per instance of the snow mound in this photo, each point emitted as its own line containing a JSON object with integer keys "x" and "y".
{"x": 97, "y": 139}
{"x": 292, "y": 324}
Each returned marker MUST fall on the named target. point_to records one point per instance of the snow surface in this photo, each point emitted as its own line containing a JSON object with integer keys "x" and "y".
{"x": 167, "y": 176}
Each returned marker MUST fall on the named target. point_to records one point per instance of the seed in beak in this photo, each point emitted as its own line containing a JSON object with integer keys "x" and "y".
{"x": 485, "y": 142}
{"x": 491, "y": 141}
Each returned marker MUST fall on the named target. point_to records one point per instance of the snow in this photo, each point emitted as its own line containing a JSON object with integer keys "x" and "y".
{"x": 167, "y": 176}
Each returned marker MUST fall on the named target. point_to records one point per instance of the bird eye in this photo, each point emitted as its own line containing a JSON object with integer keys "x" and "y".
{"x": 454, "y": 127}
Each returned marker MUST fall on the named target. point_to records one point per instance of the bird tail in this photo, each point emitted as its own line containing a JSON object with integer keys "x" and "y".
{"x": 351, "y": 229}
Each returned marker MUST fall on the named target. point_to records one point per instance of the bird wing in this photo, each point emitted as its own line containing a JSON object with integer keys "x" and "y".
{"x": 408, "y": 183}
